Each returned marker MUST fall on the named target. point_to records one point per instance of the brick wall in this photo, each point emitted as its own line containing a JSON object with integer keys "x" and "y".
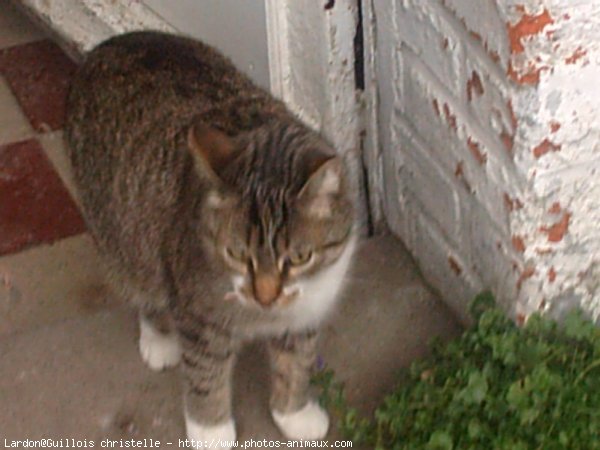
{"x": 466, "y": 125}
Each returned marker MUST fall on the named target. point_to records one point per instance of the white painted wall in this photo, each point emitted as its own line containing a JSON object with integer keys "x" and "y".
{"x": 488, "y": 126}
{"x": 238, "y": 28}
{"x": 558, "y": 142}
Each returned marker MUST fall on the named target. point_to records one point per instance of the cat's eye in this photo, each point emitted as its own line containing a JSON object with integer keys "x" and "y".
{"x": 299, "y": 257}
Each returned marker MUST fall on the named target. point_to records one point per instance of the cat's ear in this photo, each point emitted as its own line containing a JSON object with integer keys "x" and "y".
{"x": 323, "y": 185}
{"x": 211, "y": 149}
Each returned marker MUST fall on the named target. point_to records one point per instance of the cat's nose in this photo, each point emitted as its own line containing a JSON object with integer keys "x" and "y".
{"x": 267, "y": 289}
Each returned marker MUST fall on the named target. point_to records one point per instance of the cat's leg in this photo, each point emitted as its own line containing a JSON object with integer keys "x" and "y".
{"x": 295, "y": 413}
{"x": 159, "y": 343}
{"x": 209, "y": 354}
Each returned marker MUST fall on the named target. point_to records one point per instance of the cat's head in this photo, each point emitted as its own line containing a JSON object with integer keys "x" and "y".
{"x": 276, "y": 210}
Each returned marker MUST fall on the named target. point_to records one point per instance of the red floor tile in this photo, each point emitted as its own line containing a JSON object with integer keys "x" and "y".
{"x": 39, "y": 73}
{"x": 35, "y": 206}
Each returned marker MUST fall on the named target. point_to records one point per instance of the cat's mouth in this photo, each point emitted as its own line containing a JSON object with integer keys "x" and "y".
{"x": 245, "y": 297}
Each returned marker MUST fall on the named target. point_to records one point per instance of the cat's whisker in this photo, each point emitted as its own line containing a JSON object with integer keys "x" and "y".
{"x": 291, "y": 291}
{"x": 290, "y": 294}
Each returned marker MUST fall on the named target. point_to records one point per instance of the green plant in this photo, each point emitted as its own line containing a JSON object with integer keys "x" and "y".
{"x": 498, "y": 386}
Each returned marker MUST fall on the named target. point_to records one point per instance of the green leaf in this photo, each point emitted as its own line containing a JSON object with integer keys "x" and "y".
{"x": 517, "y": 395}
{"x": 483, "y": 302}
{"x": 529, "y": 415}
{"x": 563, "y": 438}
{"x": 542, "y": 379}
{"x": 538, "y": 325}
{"x": 475, "y": 391}
{"x": 475, "y": 429}
{"x": 577, "y": 326}
{"x": 504, "y": 348}
{"x": 440, "y": 440}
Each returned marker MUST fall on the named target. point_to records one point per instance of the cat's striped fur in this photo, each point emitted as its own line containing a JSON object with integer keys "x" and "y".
{"x": 217, "y": 212}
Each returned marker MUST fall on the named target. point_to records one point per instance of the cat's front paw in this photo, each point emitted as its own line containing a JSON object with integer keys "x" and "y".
{"x": 309, "y": 423}
{"x": 221, "y": 436}
{"x": 159, "y": 350}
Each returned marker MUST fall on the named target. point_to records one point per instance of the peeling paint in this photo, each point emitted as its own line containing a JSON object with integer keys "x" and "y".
{"x": 475, "y": 36}
{"x": 544, "y": 251}
{"x": 474, "y": 85}
{"x": 576, "y": 56}
{"x": 436, "y": 106}
{"x": 555, "y": 208}
{"x": 529, "y": 25}
{"x": 507, "y": 140}
{"x": 551, "y": 275}
{"x": 475, "y": 148}
{"x": 531, "y": 75}
{"x": 557, "y": 231}
{"x": 459, "y": 173}
{"x": 525, "y": 68}
{"x": 518, "y": 244}
{"x": 545, "y": 147}
{"x": 513, "y": 117}
{"x": 527, "y": 273}
{"x": 512, "y": 204}
{"x": 450, "y": 118}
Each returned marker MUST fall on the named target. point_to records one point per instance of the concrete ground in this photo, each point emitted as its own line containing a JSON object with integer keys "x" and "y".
{"x": 69, "y": 364}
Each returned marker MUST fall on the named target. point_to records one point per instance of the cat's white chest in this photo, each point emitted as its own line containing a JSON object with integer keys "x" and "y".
{"x": 318, "y": 295}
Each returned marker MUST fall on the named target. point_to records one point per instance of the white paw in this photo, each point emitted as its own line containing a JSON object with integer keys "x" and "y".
{"x": 158, "y": 350}
{"x": 210, "y": 436}
{"x": 310, "y": 423}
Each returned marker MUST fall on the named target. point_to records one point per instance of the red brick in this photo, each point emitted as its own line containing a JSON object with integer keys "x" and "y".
{"x": 39, "y": 73}
{"x": 35, "y": 206}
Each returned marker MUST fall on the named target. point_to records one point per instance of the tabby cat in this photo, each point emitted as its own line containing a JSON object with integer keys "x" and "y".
{"x": 217, "y": 212}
